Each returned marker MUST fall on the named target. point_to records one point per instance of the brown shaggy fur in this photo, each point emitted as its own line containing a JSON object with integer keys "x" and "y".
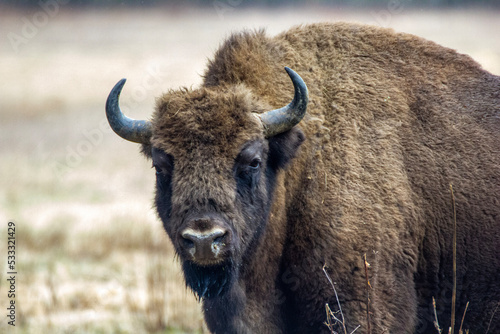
{"x": 393, "y": 120}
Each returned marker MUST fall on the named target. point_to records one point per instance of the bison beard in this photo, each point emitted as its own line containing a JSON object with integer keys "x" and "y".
{"x": 211, "y": 281}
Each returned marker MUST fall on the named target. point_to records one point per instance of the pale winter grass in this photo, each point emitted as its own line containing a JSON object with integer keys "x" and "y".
{"x": 91, "y": 254}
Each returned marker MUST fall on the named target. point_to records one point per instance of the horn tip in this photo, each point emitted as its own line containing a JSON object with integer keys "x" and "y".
{"x": 117, "y": 88}
{"x": 121, "y": 82}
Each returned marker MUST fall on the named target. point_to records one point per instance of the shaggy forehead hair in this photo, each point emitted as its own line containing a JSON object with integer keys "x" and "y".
{"x": 218, "y": 119}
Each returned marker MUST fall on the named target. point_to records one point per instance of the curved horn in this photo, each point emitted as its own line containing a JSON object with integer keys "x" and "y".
{"x": 127, "y": 128}
{"x": 283, "y": 119}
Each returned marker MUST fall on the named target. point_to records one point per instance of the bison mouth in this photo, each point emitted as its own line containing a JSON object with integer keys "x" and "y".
{"x": 209, "y": 281}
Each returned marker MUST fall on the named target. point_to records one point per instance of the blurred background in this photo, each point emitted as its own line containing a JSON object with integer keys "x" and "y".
{"x": 91, "y": 255}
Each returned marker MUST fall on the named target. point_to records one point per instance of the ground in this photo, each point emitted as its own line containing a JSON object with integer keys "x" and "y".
{"x": 91, "y": 255}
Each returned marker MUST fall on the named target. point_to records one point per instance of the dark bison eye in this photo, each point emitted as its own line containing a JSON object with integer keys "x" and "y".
{"x": 255, "y": 163}
{"x": 162, "y": 162}
{"x": 158, "y": 169}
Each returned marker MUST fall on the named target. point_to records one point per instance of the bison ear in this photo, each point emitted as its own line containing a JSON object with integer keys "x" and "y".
{"x": 283, "y": 147}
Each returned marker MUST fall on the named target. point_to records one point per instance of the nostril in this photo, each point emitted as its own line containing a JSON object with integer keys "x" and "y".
{"x": 219, "y": 239}
{"x": 187, "y": 242}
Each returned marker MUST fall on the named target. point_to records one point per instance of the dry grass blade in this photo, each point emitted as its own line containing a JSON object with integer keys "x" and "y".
{"x": 368, "y": 287}
{"x": 156, "y": 288}
{"x": 329, "y": 317}
{"x": 355, "y": 329}
{"x": 492, "y": 316}
{"x": 463, "y": 317}
{"x": 342, "y": 321}
{"x": 454, "y": 293}
{"x": 436, "y": 322}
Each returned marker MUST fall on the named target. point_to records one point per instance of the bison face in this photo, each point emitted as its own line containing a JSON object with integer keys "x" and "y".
{"x": 216, "y": 152}
{"x": 215, "y": 174}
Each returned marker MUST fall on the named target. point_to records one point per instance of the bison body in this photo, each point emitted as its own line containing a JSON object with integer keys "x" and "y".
{"x": 392, "y": 121}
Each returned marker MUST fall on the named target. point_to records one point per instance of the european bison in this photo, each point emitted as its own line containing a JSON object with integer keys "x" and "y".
{"x": 256, "y": 203}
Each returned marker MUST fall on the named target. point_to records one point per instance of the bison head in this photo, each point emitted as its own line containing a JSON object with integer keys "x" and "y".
{"x": 216, "y": 152}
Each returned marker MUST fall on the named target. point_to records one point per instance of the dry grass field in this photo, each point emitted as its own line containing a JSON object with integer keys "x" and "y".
{"x": 91, "y": 255}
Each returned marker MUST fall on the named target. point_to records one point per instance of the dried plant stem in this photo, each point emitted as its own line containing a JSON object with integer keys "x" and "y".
{"x": 463, "y": 317}
{"x": 368, "y": 286}
{"x": 329, "y": 317}
{"x": 336, "y": 297}
{"x": 454, "y": 292}
{"x": 436, "y": 322}
{"x": 492, "y": 316}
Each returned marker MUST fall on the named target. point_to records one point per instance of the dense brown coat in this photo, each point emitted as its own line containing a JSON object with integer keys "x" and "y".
{"x": 393, "y": 120}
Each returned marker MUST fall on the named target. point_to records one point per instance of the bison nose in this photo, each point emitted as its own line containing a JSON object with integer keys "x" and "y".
{"x": 206, "y": 245}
